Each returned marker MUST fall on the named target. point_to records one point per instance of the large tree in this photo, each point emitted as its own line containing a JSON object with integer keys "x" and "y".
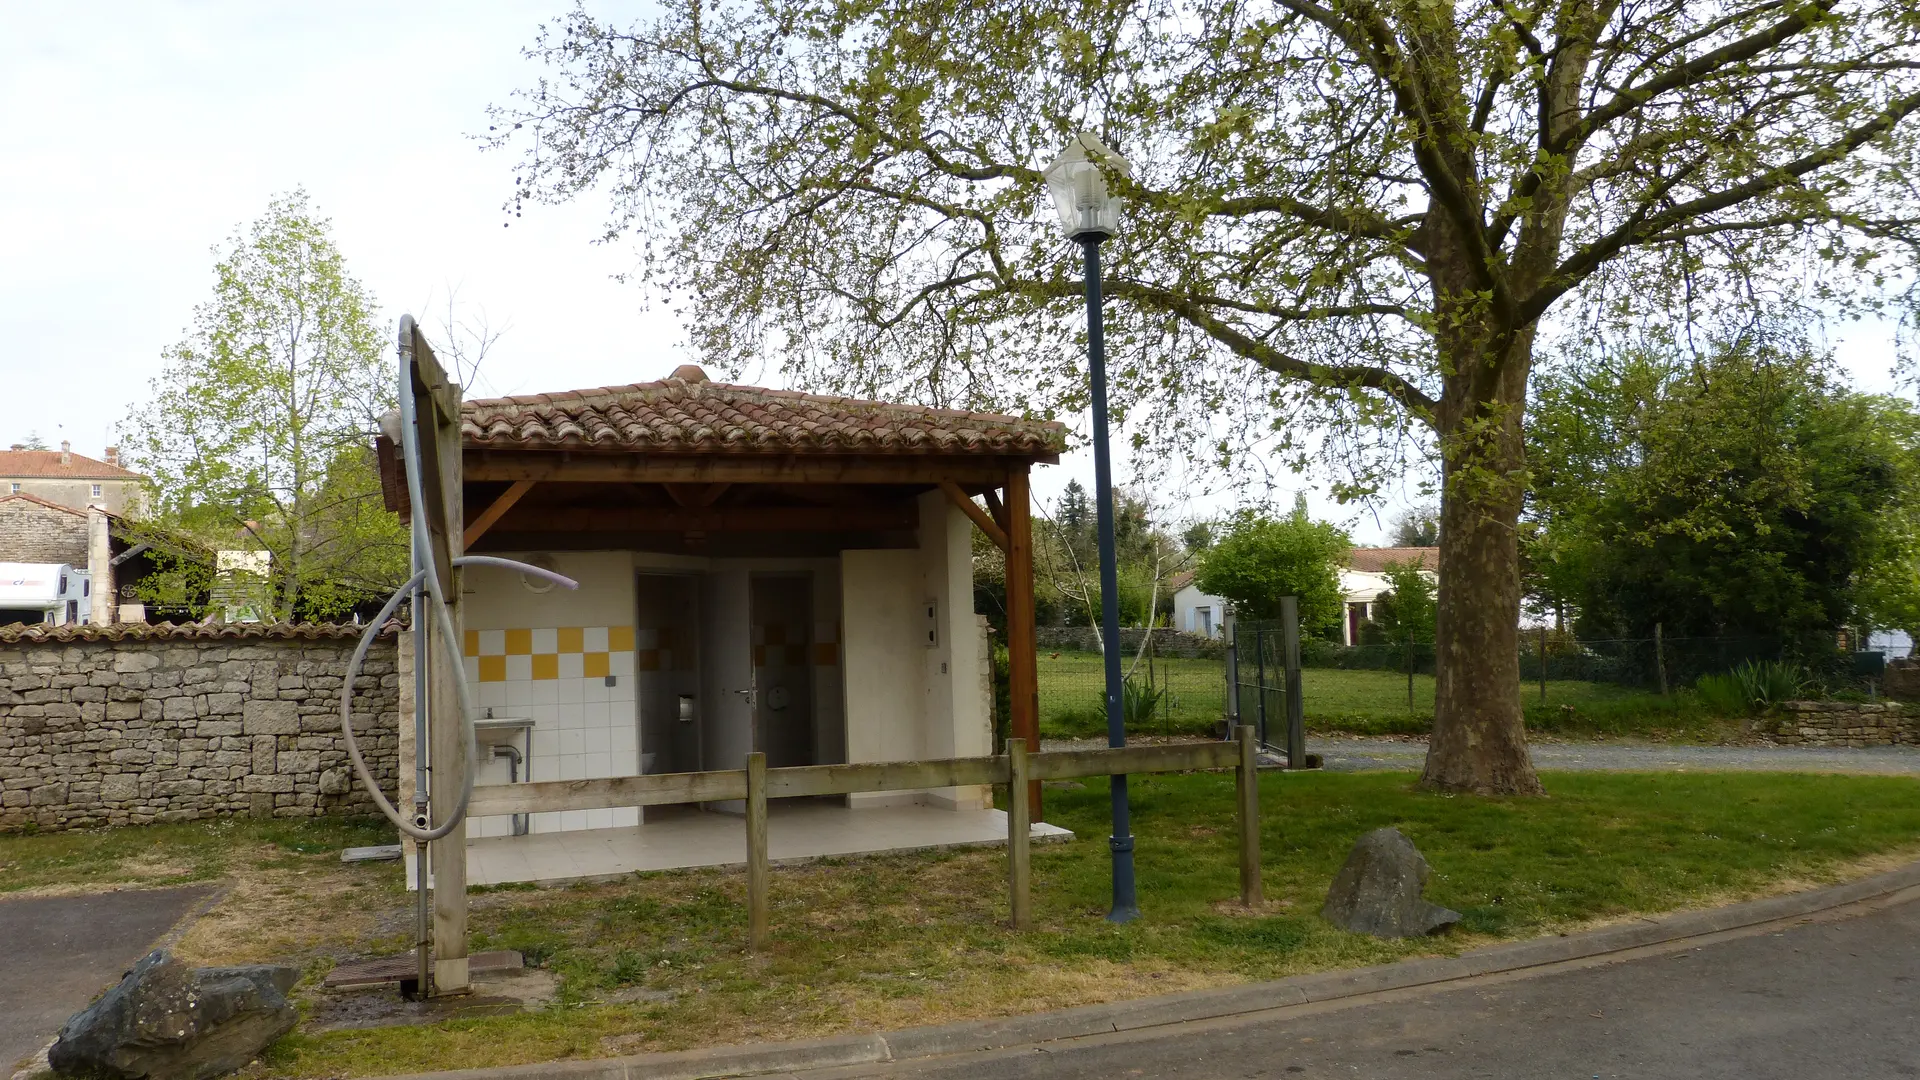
{"x": 1746, "y": 492}
{"x": 1349, "y": 217}
{"x": 258, "y": 435}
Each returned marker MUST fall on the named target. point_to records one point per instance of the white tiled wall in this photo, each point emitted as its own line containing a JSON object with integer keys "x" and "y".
{"x": 583, "y": 728}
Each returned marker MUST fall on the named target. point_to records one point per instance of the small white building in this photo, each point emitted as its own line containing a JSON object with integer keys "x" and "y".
{"x": 1362, "y": 581}
{"x": 759, "y": 570}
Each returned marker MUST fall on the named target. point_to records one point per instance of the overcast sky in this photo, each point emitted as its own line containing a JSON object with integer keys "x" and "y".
{"x": 139, "y": 135}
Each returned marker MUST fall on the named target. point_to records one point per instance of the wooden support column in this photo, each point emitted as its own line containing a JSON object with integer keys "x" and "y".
{"x": 1023, "y": 665}
{"x": 757, "y": 852}
{"x": 437, "y": 419}
{"x": 1019, "y": 837}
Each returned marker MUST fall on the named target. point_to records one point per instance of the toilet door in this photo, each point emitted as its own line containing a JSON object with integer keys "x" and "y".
{"x": 782, "y": 683}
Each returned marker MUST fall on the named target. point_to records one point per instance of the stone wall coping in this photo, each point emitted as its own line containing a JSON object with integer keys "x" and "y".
{"x": 135, "y": 632}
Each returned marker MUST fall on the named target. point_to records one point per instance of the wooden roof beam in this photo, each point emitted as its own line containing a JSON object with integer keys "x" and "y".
{"x": 987, "y": 525}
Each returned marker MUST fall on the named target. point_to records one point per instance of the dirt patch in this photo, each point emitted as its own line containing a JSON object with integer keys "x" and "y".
{"x": 494, "y": 994}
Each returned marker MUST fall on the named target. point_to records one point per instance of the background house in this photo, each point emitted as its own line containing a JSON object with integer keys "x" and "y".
{"x": 72, "y": 480}
{"x": 1362, "y": 581}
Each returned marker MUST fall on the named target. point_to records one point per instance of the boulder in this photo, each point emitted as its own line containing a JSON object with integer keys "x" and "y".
{"x": 169, "y": 1021}
{"x": 1378, "y": 890}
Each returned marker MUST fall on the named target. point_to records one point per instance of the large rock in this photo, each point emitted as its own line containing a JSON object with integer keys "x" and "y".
{"x": 1378, "y": 891}
{"x": 168, "y": 1021}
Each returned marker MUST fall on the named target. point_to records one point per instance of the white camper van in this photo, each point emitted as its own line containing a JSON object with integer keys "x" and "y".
{"x": 54, "y": 594}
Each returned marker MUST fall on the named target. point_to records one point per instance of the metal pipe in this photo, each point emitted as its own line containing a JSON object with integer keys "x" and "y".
{"x": 1126, "y": 905}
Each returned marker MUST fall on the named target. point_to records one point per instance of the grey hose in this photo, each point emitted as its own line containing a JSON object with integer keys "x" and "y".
{"x": 443, "y": 620}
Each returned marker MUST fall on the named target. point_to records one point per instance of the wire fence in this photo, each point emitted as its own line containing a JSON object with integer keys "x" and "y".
{"x": 1345, "y": 684}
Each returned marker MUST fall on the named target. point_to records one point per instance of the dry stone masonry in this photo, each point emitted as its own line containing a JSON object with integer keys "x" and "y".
{"x": 129, "y": 725}
{"x": 1841, "y": 723}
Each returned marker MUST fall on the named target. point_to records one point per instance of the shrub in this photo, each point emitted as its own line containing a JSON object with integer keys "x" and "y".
{"x": 1138, "y": 699}
{"x": 1723, "y": 694}
{"x": 1751, "y": 687}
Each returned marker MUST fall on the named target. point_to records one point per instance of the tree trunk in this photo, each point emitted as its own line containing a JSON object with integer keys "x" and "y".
{"x": 1479, "y": 742}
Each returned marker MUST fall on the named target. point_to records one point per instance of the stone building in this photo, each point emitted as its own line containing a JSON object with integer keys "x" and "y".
{"x": 72, "y": 480}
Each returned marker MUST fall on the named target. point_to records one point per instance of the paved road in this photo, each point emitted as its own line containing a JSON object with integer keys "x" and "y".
{"x": 1352, "y": 755}
{"x": 1819, "y": 1000}
{"x": 60, "y": 951}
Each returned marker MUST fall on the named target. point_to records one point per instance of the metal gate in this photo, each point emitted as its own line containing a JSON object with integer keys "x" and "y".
{"x": 1263, "y": 680}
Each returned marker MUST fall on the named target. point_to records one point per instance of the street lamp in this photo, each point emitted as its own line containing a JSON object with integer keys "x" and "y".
{"x": 1089, "y": 213}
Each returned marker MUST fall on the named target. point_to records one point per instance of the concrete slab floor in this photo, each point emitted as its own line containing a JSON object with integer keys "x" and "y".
{"x": 679, "y": 837}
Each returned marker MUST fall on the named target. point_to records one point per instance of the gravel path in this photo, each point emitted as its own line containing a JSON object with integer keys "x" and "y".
{"x": 1361, "y": 754}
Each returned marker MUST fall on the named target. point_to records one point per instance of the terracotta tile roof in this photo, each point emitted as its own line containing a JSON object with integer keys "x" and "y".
{"x": 687, "y": 414}
{"x": 46, "y": 465}
{"x": 1181, "y": 580}
{"x": 1375, "y": 560}
{"x": 28, "y": 635}
{"x": 48, "y": 503}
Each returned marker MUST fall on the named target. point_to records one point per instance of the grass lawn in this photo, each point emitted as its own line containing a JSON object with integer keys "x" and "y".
{"x": 1357, "y": 701}
{"x": 866, "y": 944}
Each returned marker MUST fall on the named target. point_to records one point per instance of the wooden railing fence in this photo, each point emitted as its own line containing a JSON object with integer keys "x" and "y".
{"x": 1016, "y": 768}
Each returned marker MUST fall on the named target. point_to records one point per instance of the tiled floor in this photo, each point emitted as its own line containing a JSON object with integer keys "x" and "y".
{"x": 677, "y": 837}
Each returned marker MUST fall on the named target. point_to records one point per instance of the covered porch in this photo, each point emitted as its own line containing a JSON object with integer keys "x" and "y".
{"x": 760, "y": 571}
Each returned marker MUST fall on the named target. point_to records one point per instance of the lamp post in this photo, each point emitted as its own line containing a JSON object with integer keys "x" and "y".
{"x": 1089, "y": 213}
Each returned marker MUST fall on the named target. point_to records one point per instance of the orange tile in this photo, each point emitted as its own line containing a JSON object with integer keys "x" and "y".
{"x": 473, "y": 643}
{"x": 572, "y": 639}
{"x": 759, "y": 656}
{"x": 826, "y": 654}
{"x": 546, "y": 666}
{"x": 519, "y": 643}
{"x": 493, "y": 669}
{"x": 647, "y": 660}
{"x": 774, "y": 633}
{"x": 619, "y": 639}
{"x": 593, "y": 665}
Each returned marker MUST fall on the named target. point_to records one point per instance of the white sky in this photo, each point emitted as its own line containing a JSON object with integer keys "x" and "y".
{"x": 137, "y": 136}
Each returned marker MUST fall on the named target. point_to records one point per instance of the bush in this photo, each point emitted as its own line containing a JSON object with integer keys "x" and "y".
{"x": 1751, "y": 687}
{"x": 1723, "y": 694}
{"x": 1138, "y": 699}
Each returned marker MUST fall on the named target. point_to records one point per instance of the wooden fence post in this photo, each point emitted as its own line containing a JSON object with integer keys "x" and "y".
{"x": 1252, "y": 894}
{"x": 1019, "y": 830}
{"x": 756, "y": 851}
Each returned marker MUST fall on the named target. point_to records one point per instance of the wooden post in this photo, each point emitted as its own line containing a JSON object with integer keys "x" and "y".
{"x": 1296, "y": 708}
{"x": 1019, "y": 838}
{"x": 437, "y": 423}
{"x": 1252, "y": 894}
{"x": 1023, "y": 660}
{"x": 1660, "y": 658}
{"x": 756, "y": 851}
{"x": 1543, "y": 663}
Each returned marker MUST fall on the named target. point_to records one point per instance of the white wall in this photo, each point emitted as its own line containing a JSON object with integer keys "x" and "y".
{"x": 907, "y": 699}
{"x": 547, "y": 656}
{"x": 1187, "y": 601}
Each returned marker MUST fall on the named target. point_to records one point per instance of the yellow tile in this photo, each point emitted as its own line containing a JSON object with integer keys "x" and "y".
{"x": 775, "y": 634}
{"x": 593, "y": 665}
{"x": 647, "y": 660}
{"x": 493, "y": 669}
{"x": 546, "y": 666}
{"x": 826, "y": 654}
{"x": 572, "y": 639}
{"x": 619, "y": 639}
{"x": 519, "y": 643}
{"x": 473, "y": 643}
{"x": 759, "y": 656}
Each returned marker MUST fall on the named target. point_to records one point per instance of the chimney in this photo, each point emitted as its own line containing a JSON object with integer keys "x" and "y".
{"x": 113, "y": 456}
{"x": 66, "y": 452}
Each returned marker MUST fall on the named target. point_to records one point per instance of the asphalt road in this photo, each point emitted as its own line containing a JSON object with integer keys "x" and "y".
{"x": 1819, "y": 1000}
{"x": 61, "y": 951}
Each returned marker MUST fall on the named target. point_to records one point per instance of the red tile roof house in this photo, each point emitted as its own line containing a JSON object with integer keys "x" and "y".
{"x": 759, "y": 570}
{"x": 69, "y": 479}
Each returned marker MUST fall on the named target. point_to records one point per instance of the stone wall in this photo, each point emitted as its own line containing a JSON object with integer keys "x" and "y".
{"x": 35, "y": 531}
{"x": 125, "y": 725}
{"x": 1166, "y": 642}
{"x": 1840, "y": 723}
